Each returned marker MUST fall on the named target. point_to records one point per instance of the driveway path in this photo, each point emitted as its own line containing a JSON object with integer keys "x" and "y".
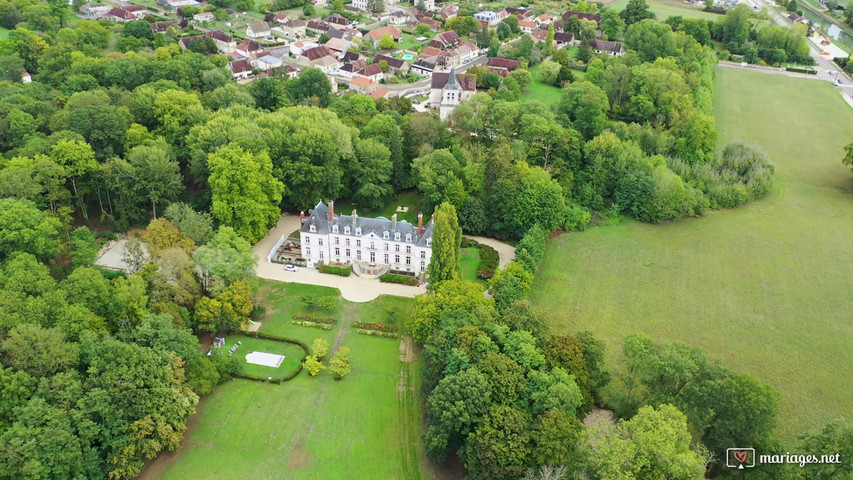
{"x": 353, "y": 288}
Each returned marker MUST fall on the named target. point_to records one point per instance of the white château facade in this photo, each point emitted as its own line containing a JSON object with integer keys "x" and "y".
{"x": 330, "y": 238}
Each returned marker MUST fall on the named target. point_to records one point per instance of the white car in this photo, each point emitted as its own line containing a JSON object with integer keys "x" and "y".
{"x": 291, "y": 268}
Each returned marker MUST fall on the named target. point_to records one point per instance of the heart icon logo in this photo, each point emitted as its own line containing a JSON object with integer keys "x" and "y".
{"x": 740, "y": 456}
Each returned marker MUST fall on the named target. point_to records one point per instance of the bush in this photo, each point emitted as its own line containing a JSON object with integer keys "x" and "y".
{"x": 400, "y": 279}
{"x": 314, "y": 318}
{"x": 469, "y": 243}
{"x": 577, "y": 217}
{"x": 489, "y": 260}
{"x": 531, "y": 248}
{"x": 810, "y": 71}
{"x": 374, "y": 326}
{"x": 342, "y": 270}
{"x": 324, "y": 326}
{"x": 374, "y": 333}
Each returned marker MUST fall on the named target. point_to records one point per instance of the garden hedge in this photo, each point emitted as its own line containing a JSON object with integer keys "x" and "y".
{"x": 489, "y": 260}
{"x": 344, "y": 270}
{"x": 400, "y": 279}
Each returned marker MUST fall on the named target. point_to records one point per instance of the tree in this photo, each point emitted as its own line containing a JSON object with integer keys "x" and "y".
{"x": 446, "y": 244}
{"x": 454, "y": 409}
{"x": 175, "y": 279}
{"x": 372, "y": 174}
{"x": 549, "y": 40}
{"x": 11, "y": 68}
{"x": 225, "y": 259}
{"x": 494, "y": 47}
{"x": 791, "y": 6}
{"x": 196, "y": 225}
{"x": 320, "y": 347}
{"x": 585, "y": 105}
{"x": 133, "y": 256}
{"x": 24, "y": 228}
{"x": 836, "y": 436}
{"x": 138, "y": 29}
{"x": 433, "y": 311}
{"x": 245, "y": 195}
{"x": 848, "y": 157}
{"x": 509, "y": 285}
{"x": 434, "y": 173}
{"x": 556, "y": 439}
{"x": 612, "y": 24}
{"x": 314, "y": 365}
{"x": 635, "y": 11}
{"x": 310, "y": 86}
{"x": 78, "y": 159}
{"x": 308, "y": 10}
{"x": 39, "y": 351}
{"x": 548, "y": 72}
{"x": 83, "y": 247}
{"x": 156, "y": 172}
{"x": 88, "y": 287}
{"x": 386, "y": 43}
{"x": 651, "y": 40}
{"x": 339, "y": 364}
{"x": 500, "y": 446}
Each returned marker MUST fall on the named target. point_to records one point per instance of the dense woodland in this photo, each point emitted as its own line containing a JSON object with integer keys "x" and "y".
{"x": 121, "y": 129}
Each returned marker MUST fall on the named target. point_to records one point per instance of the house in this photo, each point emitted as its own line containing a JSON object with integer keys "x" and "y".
{"x": 447, "y": 90}
{"x": 338, "y": 21}
{"x": 328, "y": 64}
{"x": 373, "y": 72}
{"x": 351, "y": 57}
{"x": 397, "y": 17}
{"x": 280, "y": 17}
{"x": 315, "y": 53}
{"x": 351, "y": 69}
{"x": 796, "y": 18}
{"x": 96, "y": 11}
{"x": 614, "y": 49}
{"x": 297, "y": 48}
{"x": 503, "y": 65}
{"x": 318, "y": 27}
{"x": 184, "y": 42}
{"x": 430, "y": 54}
{"x": 422, "y": 67}
{"x": 294, "y": 28}
{"x": 449, "y": 11}
{"x": 160, "y": 27}
{"x": 433, "y": 25}
{"x": 368, "y": 242}
{"x": 137, "y": 10}
{"x": 176, "y": 4}
{"x": 219, "y": 342}
{"x": 119, "y": 15}
{"x": 380, "y": 92}
{"x": 291, "y": 71}
{"x": 521, "y": 13}
{"x": 377, "y": 34}
{"x": 467, "y": 51}
{"x": 204, "y": 17}
{"x": 563, "y": 39}
{"x": 248, "y": 47}
{"x": 258, "y": 30}
{"x": 448, "y": 58}
{"x": 338, "y": 46}
{"x": 539, "y": 35}
{"x": 488, "y": 17}
{"x": 320, "y": 57}
{"x": 544, "y": 19}
{"x": 445, "y": 40}
{"x": 527, "y": 26}
{"x": 267, "y": 62}
{"x": 224, "y": 43}
{"x": 26, "y": 78}
{"x": 395, "y": 64}
{"x": 581, "y": 16}
{"x": 363, "y": 85}
{"x": 240, "y": 69}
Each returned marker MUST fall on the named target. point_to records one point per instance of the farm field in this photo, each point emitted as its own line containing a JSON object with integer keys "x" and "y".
{"x": 669, "y": 8}
{"x": 765, "y": 288}
{"x": 366, "y": 426}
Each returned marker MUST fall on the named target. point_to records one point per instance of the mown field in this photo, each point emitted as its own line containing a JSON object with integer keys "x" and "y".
{"x": 766, "y": 288}
{"x": 664, "y": 9}
{"x": 366, "y": 426}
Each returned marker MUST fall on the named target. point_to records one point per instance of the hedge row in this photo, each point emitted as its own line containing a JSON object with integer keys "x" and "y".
{"x": 314, "y": 318}
{"x": 470, "y": 243}
{"x": 343, "y": 271}
{"x": 810, "y": 71}
{"x": 324, "y": 326}
{"x": 374, "y": 326}
{"x": 401, "y": 279}
{"x": 374, "y": 333}
{"x": 277, "y": 339}
{"x": 489, "y": 260}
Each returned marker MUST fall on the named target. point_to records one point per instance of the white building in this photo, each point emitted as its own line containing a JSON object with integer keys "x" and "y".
{"x": 349, "y": 239}
{"x": 449, "y": 90}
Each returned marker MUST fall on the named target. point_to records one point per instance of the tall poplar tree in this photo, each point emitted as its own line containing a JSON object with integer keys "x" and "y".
{"x": 446, "y": 244}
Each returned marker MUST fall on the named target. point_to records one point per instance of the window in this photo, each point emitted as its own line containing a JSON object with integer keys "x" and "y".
{"x": 346, "y": 230}
{"x": 429, "y": 241}
{"x": 307, "y": 240}
{"x": 372, "y": 245}
{"x": 408, "y": 260}
{"x": 372, "y": 257}
{"x": 347, "y": 241}
{"x": 422, "y": 267}
{"x": 358, "y": 255}
{"x": 386, "y": 247}
{"x": 358, "y": 243}
{"x": 312, "y": 228}
{"x": 385, "y": 235}
{"x": 337, "y": 252}
{"x": 386, "y": 258}
{"x": 423, "y": 254}
{"x": 321, "y": 255}
{"x": 397, "y": 259}
{"x": 408, "y": 237}
{"x": 348, "y": 253}
{"x": 397, "y": 248}
{"x": 307, "y": 251}
{"x": 397, "y": 236}
{"x": 337, "y": 240}
{"x": 408, "y": 249}
{"x": 358, "y": 230}
{"x": 321, "y": 242}
{"x": 334, "y": 229}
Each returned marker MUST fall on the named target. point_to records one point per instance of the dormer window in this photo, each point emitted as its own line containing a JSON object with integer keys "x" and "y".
{"x": 312, "y": 228}
{"x": 385, "y": 235}
{"x": 358, "y": 230}
{"x": 408, "y": 237}
{"x": 346, "y": 230}
{"x": 397, "y": 236}
{"x": 334, "y": 229}
{"x": 429, "y": 242}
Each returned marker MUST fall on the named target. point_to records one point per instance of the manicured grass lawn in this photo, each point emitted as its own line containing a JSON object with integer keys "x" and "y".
{"x": 366, "y": 426}
{"x": 468, "y": 264}
{"x": 282, "y": 300}
{"x": 4, "y": 33}
{"x": 292, "y": 355}
{"x": 766, "y": 287}
{"x": 665, "y": 9}
{"x": 410, "y": 198}
{"x": 547, "y": 94}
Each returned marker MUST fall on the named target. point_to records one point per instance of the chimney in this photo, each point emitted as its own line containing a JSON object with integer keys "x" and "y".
{"x": 420, "y": 223}
{"x": 394, "y": 222}
{"x": 354, "y": 218}
{"x": 301, "y": 217}
{"x": 331, "y": 210}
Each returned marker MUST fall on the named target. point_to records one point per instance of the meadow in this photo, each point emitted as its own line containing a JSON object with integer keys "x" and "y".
{"x": 664, "y": 9}
{"x": 766, "y": 287}
{"x": 367, "y": 425}
{"x": 542, "y": 92}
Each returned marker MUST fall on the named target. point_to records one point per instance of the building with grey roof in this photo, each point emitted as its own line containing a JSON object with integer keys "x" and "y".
{"x": 327, "y": 237}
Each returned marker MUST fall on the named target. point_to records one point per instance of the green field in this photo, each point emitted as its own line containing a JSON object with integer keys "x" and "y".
{"x": 542, "y": 92}
{"x": 766, "y": 288}
{"x": 292, "y": 355}
{"x": 664, "y": 9}
{"x": 468, "y": 263}
{"x": 366, "y": 426}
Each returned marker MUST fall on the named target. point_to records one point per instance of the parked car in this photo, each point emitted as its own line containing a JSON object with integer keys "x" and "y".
{"x": 291, "y": 268}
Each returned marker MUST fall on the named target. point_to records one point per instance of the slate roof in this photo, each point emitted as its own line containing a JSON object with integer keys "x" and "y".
{"x": 392, "y": 62}
{"x": 259, "y": 27}
{"x": 219, "y": 35}
{"x": 563, "y": 37}
{"x": 351, "y": 56}
{"x": 424, "y": 65}
{"x": 467, "y": 82}
{"x": 606, "y": 46}
{"x": 319, "y": 217}
{"x": 371, "y": 70}
{"x": 338, "y": 19}
{"x": 318, "y": 26}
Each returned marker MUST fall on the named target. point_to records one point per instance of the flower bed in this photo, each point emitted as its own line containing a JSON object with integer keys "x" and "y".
{"x": 314, "y": 318}
{"x": 323, "y": 326}
{"x": 374, "y": 326}
{"x": 374, "y": 333}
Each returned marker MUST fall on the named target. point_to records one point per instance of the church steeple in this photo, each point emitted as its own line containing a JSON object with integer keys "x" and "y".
{"x": 452, "y": 82}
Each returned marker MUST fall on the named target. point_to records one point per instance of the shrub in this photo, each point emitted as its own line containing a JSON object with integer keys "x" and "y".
{"x": 400, "y": 279}
{"x": 374, "y": 333}
{"x": 489, "y": 260}
{"x": 810, "y": 71}
{"x": 342, "y": 270}
{"x": 374, "y": 326}
{"x": 314, "y": 318}
{"x": 324, "y": 326}
{"x": 469, "y": 243}
{"x": 327, "y": 303}
{"x": 531, "y": 248}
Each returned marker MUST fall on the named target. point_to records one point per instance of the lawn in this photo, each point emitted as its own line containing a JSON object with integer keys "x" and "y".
{"x": 670, "y": 8}
{"x": 366, "y": 426}
{"x": 292, "y": 355}
{"x": 542, "y": 92}
{"x": 409, "y": 198}
{"x": 468, "y": 263}
{"x": 766, "y": 287}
